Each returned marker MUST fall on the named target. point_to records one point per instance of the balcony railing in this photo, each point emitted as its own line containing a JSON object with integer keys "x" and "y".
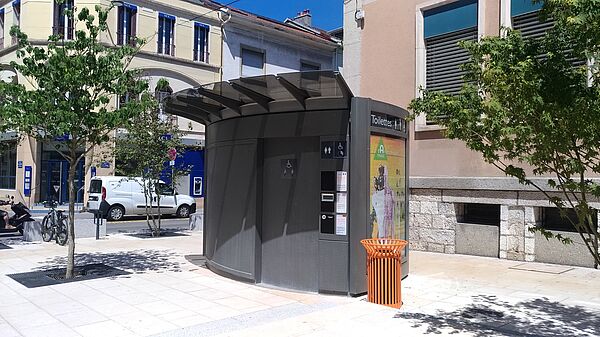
{"x": 200, "y": 56}
{"x": 126, "y": 39}
{"x": 60, "y": 32}
{"x": 166, "y": 48}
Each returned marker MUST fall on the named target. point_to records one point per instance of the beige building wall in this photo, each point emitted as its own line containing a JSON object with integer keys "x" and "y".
{"x": 388, "y": 72}
{"x": 385, "y": 60}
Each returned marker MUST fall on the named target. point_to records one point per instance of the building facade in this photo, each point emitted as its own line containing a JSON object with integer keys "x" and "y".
{"x": 182, "y": 45}
{"x": 189, "y": 43}
{"x": 255, "y": 45}
{"x": 458, "y": 204}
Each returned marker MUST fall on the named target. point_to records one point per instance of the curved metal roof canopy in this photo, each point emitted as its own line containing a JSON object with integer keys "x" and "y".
{"x": 290, "y": 92}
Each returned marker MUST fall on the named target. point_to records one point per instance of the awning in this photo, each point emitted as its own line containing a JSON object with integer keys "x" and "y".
{"x": 265, "y": 94}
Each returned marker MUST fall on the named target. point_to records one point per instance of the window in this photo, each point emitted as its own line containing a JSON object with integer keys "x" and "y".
{"x": 1, "y": 28}
{"x": 96, "y": 186}
{"x": 525, "y": 18}
{"x": 166, "y": 33}
{"x": 160, "y": 95}
{"x": 306, "y": 66}
{"x": 63, "y": 22}
{"x": 8, "y": 166}
{"x": 201, "y": 42}
{"x": 309, "y": 79}
{"x": 126, "y": 24}
{"x": 163, "y": 93}
{"x": 481, "y": 214}
{"x": 443, "y": 28}
{"x": 16, "y": 17}
{"x": 125, "y": 98}
{"x": 253, "y": 63}
{"x": 552, "y": 220}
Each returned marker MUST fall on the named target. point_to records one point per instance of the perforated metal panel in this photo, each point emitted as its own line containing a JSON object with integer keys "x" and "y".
{"x": 444, "y": 58}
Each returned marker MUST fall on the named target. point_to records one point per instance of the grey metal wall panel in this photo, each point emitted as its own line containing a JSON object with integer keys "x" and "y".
{"x": 359, "y": 196}
{"x": 333, "y": 266}
{"x": 230, "y": 211}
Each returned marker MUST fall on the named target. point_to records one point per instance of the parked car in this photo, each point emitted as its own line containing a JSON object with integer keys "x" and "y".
{"x": 116, "y": 197}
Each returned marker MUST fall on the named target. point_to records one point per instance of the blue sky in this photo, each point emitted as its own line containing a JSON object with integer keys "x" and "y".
{"x": 326, "y": 14}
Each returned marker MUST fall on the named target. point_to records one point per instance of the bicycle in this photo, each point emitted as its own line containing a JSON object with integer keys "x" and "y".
{"x": 54, "y": 225}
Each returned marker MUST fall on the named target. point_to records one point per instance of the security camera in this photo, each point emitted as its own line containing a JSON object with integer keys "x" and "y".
{"x": 359, "y": 14}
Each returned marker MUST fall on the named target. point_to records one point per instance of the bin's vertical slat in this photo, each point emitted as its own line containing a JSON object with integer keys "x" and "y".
{"x": 383, "y": 280}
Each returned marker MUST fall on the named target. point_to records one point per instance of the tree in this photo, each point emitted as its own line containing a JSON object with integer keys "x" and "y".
{"x": 531, "y": 110}
{"x": 72, "y": 83}
{"x": 150, "y": 141}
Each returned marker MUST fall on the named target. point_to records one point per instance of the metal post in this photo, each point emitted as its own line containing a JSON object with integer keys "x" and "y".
{"x": 97, "y": 220}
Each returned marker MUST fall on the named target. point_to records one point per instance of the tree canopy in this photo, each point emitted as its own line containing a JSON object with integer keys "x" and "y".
{"x": 65, "y": 92}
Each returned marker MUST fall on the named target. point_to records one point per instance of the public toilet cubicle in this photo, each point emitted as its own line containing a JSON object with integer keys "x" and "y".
{"x": 297, "y": 172}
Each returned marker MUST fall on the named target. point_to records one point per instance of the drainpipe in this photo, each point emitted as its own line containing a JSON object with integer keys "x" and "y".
{"x": 224, "y": 17}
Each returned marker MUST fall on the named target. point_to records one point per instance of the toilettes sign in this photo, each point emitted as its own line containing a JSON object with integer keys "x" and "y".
{"x": 388, "y": 122}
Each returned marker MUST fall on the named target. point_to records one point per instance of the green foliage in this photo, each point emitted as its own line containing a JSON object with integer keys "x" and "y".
{"x": 142, "y": 151}
{"x": 65, "y": 90}
{"x": 529, "y": 111}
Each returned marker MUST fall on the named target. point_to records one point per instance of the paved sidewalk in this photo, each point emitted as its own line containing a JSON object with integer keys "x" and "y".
{"x": 165, "y": 295}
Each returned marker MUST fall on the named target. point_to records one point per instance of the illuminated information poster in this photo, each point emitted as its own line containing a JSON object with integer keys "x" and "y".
{"x": 387, "y": 187}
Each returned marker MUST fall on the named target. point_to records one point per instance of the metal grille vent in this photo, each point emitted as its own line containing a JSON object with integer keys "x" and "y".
{"x": 530, "y": 26}
{"x": 444, "y": 58}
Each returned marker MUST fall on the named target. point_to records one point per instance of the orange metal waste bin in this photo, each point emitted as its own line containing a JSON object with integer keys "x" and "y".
{"x": 384, "y": 271}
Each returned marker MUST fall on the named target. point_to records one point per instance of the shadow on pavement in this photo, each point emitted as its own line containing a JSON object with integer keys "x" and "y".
{"x": 489, "y": 316}
{"x": 136, "y": 261}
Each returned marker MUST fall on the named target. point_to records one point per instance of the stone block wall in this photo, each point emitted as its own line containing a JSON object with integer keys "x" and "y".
{"x": 435, "y": 213}
{"x": 517, "y": 242}
{"x": 432, "y": 222}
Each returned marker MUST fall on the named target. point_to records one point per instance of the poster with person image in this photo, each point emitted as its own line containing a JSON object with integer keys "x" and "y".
{"x": 387, "y": 187}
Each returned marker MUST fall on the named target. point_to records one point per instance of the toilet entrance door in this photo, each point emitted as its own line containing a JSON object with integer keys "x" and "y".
{"x": 290, "y": 212}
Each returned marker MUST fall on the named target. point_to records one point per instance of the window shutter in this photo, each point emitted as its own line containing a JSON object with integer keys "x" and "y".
{"x": 444, "y": 58}
{"x": 133, "y": 23}
{"x": 120, "y": 27}
{"x": 161, "y": 33}
{"x": 530, "y": 26}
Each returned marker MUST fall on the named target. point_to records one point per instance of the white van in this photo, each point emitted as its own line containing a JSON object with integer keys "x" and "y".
{"x": 119, "y": 196}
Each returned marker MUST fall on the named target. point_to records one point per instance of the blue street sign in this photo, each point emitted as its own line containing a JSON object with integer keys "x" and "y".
{"x": 27, "y": 181}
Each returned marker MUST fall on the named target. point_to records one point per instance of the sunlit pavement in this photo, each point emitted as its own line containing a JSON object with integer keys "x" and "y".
{"x": 165, "y": 295}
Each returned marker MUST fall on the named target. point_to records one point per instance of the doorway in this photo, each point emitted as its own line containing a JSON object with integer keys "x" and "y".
{"x": 290, "y": 202}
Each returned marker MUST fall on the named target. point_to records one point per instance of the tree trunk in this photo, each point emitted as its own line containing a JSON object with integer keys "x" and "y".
{"x": 71, "y": 226}
{"x": 146, "y": 199}
{"x": 158, "y": 210}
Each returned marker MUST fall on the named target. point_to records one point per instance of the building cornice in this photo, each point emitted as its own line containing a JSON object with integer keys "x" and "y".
{"x": 141, "y": 54}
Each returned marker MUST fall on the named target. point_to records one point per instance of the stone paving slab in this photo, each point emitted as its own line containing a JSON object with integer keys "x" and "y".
{"x": 166, "y": 295}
